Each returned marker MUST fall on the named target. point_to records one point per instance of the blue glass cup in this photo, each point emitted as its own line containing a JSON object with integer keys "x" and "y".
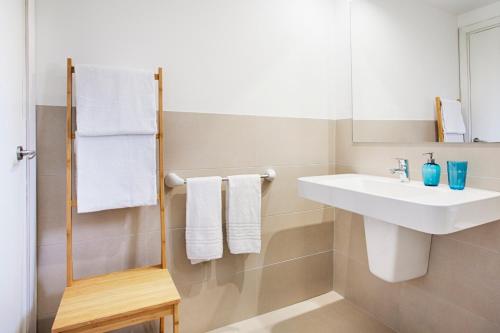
{"x": 457, "y": 174}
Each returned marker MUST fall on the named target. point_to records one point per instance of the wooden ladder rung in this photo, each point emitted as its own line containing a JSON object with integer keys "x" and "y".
{"x": 73, "y": 136}
{"x": 74, "y": 202}
{"x": 156, "y": 76}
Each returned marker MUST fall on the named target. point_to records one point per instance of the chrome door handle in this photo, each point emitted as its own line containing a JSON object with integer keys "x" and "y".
{"x": 21, "y": 153}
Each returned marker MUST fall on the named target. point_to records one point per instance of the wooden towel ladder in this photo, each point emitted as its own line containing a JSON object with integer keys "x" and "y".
{"x": 439, "y": 116}
{"x": 120, "y": 299}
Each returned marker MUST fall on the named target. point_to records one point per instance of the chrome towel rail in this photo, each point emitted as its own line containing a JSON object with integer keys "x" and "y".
{"x": 173, "y": 180}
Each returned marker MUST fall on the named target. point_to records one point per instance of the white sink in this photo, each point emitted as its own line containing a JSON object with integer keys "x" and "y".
{"x": 400, "y": 217}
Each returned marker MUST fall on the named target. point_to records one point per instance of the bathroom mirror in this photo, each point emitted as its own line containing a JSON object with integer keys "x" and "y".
{"x": 425, "y": 71}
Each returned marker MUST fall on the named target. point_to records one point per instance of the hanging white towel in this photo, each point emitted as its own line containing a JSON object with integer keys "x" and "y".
{"x": 243, "y": 217}
{"x": 453, "y": 120}
{"x": 203, "y": 219}
{"x": 113, "y": 101}
{"x": 115, "y": 171}
{"x": 454, "y": 138}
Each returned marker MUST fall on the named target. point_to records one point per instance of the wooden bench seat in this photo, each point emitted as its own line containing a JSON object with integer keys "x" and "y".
{"x": 106, "y": 302}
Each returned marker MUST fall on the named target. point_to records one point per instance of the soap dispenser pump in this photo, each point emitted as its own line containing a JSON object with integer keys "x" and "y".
{"x": 431, "y": 171}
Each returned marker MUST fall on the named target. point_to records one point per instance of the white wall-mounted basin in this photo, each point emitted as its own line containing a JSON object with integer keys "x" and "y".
{"x": 400, "y": 217}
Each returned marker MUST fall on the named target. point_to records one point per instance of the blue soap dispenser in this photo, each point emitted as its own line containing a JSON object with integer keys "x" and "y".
{"x": 431, "y": 171}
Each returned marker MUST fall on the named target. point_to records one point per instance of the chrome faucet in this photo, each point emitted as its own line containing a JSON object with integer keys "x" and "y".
{"x": 403, "y": 170}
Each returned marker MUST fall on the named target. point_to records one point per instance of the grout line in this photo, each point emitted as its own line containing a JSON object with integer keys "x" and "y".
{"x": 60, "y": 108}
{"x": 326, "y": 208}
{"x": 449, "y": 236}
{"x": 323, "y": 209}
{"x": 364, "y": 263}
{"x": 260, "y": 166}
{"x": 93, "y": 240}
{"x": 371, "y": 315}
{"x": 269, "y": 165}
{"x": 282, "y": 262}
{"x": 444, "y": 300}
{"x": 206, "y": 278}
{"x": 256, "y": 268}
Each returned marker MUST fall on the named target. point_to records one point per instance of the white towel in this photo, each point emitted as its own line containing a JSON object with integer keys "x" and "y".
{"x": 243, "y": 221}
{"x": 453, "y": 120}
{"x": 115, "y": 171}
{"x": 203, "y": 219}
{"x": 454, "y": 138}
{"x": 112, "y": 101}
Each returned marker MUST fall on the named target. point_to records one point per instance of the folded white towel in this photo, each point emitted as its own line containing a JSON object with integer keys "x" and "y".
{"x": 115, "y": 171}
{"x": 243, "y": 221}
{"x": 112, "y": 101}
{"x": 203, "y": 219}
{"x": 454, "y": 138}
{"x": 453, "y": 120}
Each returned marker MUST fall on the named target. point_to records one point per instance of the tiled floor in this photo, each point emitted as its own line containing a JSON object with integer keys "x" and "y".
{"x": 325, "y": 313}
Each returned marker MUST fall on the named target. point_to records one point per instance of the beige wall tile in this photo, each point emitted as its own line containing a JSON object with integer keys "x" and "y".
{"x": 51, "y": 275}
{"x": 90, "y": 258}
{"x": 115, "y": 222}
{"x": 472, "y": 270}
{"x": 304, "y": 234}
{"x": 340, "y": 272}
{"x": 204, "y": 141}
{"x": 222, "y": 301}
{"x": 90, "y": 226}
{"x": 292, "y": 141}
{"x": 350, "y": 235}
{"x": 400, "y": 131}
{"x": 376, "y": 296}
{"x": 422, "y": 312}
{"x": 342, "y": 236}
{"x": 180, "y": 267}
{"x": 51, "y": 197}
{"x": 51, "y": 140}
{"x": 300, "y": 279}
{"x": 486, "y": 236}
{"x": 280, "y": 196}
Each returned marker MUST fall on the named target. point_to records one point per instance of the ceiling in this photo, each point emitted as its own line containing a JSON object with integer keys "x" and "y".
{"x": 459, "y": 6}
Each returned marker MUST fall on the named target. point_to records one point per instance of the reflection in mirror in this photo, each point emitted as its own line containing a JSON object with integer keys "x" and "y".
{"x": 425, "y": 71}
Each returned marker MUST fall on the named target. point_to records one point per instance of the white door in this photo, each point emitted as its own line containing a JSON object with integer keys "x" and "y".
{"x": 484, "y": 57}
{"x": 13, "y": 193}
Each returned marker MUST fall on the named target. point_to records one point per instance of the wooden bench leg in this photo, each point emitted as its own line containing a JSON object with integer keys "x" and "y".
{"x": 175, "y": 318}
{"x": 162, "y": 325}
